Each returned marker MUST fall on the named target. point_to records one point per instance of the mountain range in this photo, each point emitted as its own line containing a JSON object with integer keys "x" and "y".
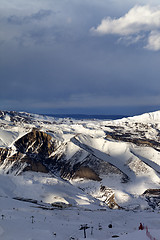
{"x": 116, "y": 162}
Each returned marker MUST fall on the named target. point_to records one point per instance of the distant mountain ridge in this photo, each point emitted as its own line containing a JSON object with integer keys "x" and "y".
{"x": 88, "y": 116}
{"x": 150, "y": 116}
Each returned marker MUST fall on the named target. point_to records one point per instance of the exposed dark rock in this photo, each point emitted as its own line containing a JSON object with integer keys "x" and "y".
{"x": 21, "y": 159}
{"x": 152, "y": 192}
{"x": 33, "y": 151}
{"x": 109, "y": 197}
{"x": 135, "y": 133}
{"x": 3, "y": 154}
{"x": 15, "y": 157}
{"x": 152, "y": 197}
{"x": 34, "y": 166}
{"x": 130, "y": 138}
{"x": 36, "y": 146}
{"x": 87, "y": 173}
{"x": 36, "y": 143}
{"x": 103, "y": 168}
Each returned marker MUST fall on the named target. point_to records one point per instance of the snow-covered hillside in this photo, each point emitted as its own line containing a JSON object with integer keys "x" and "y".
{"x": 78, "y": 167}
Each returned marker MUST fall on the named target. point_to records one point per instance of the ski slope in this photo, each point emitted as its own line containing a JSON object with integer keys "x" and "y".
{"x": 124, "y": 153}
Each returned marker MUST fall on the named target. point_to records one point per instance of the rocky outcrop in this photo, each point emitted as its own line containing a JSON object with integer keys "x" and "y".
{"x": 34, "y": 153}
{"x": 34, "y": 150}
{"x": 132, "y": 139}
{"x": 36, "y": 144}
{"x": 152, "y": 191}
{"x": 3, "y": 154}
{"x": 87, "y": 173}
{"x": 35, "y": 166}
{"x": 152, "y": 196}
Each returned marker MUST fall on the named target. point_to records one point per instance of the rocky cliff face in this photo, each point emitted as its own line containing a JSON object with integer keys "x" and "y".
{"x": 3, "y": 154}
{"x": 31, "y": 153}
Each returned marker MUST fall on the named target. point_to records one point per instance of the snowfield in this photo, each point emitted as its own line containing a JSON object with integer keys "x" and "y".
{"x": 27, "y": 220}
{"x": 59, "y": 175}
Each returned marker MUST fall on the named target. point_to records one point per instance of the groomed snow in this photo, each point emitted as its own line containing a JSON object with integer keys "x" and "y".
{"x": 25, "y": 220}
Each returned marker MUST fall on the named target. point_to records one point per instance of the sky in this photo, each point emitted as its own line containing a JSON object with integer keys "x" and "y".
{"x": 80, "y": 56}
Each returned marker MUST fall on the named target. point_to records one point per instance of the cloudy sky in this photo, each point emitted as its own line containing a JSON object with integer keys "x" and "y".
{"x": 80, "y": 56}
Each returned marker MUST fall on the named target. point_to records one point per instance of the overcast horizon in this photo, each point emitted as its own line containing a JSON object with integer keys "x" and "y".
{"x": 80, "y": 57}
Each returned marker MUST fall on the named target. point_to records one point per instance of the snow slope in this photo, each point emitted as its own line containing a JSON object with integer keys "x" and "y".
{"x": 147, "y": 117}
{"x": 27, "y": 220}
{"x": 124, "y": 154}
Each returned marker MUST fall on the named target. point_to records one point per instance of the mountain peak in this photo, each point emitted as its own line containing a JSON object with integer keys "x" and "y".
{"x": 147, "y": 117}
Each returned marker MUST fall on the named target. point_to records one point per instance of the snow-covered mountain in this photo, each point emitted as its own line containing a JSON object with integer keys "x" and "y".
{"x": 87, "y": 164}
{"x": 109, "y": 156}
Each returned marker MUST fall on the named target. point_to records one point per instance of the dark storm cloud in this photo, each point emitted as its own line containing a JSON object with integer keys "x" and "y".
{"x": 40, "y": 15}
{"x": 51, "y": 61}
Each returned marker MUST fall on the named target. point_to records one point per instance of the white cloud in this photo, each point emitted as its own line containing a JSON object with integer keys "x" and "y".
{"x": 154, "y": 41}
{"x": 138, "y": 21}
